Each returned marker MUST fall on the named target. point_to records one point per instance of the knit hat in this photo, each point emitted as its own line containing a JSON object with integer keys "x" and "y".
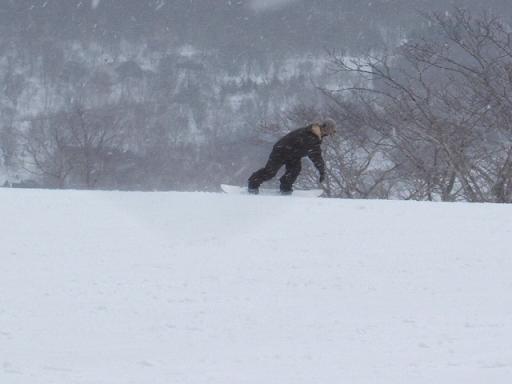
{"x": 328, "y": 126}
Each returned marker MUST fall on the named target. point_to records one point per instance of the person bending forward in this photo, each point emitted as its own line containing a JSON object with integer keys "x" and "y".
{"x": 289, "y": 151}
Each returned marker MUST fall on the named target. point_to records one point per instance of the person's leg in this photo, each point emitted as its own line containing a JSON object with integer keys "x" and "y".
{"x": 265, "y": 174}
{"x": 293, "y": 169}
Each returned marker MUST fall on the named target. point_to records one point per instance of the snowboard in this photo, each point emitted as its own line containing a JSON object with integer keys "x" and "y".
{"x": 237, "y": 190}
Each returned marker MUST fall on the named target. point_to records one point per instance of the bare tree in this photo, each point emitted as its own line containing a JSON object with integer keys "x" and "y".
{"x": 8, "y": 148}
{"x": 73, "y": 148}
{"x": 443, "y": 106}
{"x": 92, "y": 134}
{"x": 47, "y": 151}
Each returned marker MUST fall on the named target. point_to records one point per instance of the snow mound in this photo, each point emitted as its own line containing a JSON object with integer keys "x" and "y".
{"x": 111, "y": 287}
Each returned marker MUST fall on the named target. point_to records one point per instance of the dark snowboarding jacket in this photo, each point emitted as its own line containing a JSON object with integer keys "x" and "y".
{"x": 289, "y": 151}
{"x": 300, "y": 143}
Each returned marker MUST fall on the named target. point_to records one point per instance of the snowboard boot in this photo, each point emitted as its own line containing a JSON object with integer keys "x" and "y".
{"x": 253, "y": 191}
{"x": 286, "y": 192}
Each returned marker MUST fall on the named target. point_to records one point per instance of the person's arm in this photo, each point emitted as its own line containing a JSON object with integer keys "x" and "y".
{"x": 315, "y": 155}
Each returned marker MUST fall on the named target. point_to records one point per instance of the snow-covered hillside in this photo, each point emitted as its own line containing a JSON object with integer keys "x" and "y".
{"x": 118, "y": 288}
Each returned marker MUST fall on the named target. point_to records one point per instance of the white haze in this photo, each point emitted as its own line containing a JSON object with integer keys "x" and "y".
{"x": 266, "y": 5}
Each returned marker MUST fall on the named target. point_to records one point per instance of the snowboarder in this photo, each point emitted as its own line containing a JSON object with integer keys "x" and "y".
{"x": 289, "y": 151}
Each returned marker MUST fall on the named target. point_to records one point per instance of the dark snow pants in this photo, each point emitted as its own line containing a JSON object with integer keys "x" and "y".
{"x": 274, "y": 163}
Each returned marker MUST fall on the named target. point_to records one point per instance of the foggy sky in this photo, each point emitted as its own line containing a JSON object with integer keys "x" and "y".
{"x": 266, "y": 5}
{"x": 235, "y": 26}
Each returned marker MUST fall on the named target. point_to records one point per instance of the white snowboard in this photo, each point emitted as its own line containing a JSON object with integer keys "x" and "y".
{"x": 235, "y": 189}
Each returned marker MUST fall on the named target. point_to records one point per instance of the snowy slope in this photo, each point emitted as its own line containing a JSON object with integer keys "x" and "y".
{"x": 109, "y": 287}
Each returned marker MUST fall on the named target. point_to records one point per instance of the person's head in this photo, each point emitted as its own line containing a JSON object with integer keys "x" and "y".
{"x": 327, "y": 127}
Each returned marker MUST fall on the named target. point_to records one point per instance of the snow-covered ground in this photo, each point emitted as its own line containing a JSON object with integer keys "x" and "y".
{"x": 121, "y": 288}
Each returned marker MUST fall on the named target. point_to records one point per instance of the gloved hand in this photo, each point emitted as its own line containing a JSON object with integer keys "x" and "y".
{"x": 322, "y": 178}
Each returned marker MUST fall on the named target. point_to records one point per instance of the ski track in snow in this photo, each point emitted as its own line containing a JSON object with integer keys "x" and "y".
{"x": 116, "y": 288}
